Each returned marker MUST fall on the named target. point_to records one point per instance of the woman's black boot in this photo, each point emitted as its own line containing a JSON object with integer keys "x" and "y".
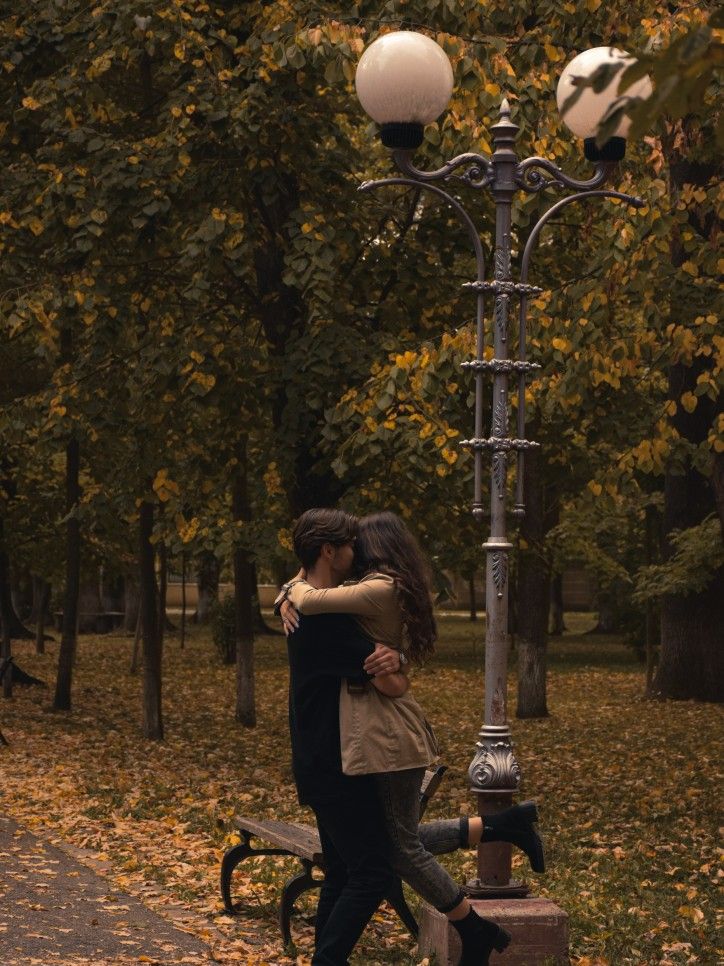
{"x": 479, "y": 938}
{"x": 516, "y": 825}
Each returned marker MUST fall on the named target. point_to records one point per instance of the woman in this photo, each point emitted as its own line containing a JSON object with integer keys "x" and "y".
{"x": 384, "y": 732}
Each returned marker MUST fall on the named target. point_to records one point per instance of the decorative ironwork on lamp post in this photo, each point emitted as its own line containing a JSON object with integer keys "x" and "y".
{"x": 404, "y": 81}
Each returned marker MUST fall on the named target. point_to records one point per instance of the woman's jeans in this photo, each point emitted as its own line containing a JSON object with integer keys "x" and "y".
{"x": 413, "y": 845}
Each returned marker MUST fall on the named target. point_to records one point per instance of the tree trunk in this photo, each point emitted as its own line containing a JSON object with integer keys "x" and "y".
{"x": 21, "y": 592}
{"x": 89, "y": 605}
{"x": 68, "y": 639}
{"x": 38, "y": 585}
{"x": 4, "y": 670}
{"x": 717, "y": 483}
{"x": 41, "y": 599}
{"x": 162, "y": 590}
{"x": 690, "y": 661}
{"x": 259, "y": 625}
{"x": 17, "y": 630}
{"x": 131, "y": 603}
{"x": 152, "y": 724}
{"x": 244, "y": 590}
{"x": 558, "y": 625}
{"x": 533, "y": 596}
{"x": 182, "y": 632}
{"x": 473, "y": 602}
{"x": 650, "y": 623}
{"x": 691, "y": 658}
{"x": 133, "y": 669}
{"x": 208, "y": 585}
{"x": 6, "y": 649}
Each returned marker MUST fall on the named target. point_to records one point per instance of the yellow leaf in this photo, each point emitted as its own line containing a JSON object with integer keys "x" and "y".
{"x": 492, "y": 89}
{"x": 595, "y": 488}
{"x": 30, "y": 103}
{"x": 36, "y": 226}
{"x": 691, "y": 912}
{"x": 689, "y": 401}
{"x": 593, "y": 5}
{"x": 179, "y": 50}
{"x": 690, "y": 268}
{"x": 552, "y": 53}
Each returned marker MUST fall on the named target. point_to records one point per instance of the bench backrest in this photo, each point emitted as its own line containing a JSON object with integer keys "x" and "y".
{"x": 430, "y": 784}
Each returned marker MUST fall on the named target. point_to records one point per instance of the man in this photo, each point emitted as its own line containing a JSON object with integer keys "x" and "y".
{"x": 324, "y": 650}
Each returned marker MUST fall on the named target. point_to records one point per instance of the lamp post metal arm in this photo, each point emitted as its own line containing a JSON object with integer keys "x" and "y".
{"x": 478, "y": 173}
{"x": 530, "y": 244}
{"x": 453, "y": 202}
{"x": 413, "y": 182}
{"x": 529, "y": 176}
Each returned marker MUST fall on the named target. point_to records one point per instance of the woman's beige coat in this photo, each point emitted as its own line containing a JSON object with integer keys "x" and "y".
{"x": 377, "y": 733}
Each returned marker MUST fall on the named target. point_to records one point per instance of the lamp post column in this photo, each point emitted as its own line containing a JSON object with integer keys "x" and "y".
{"x": 494, "y": 772}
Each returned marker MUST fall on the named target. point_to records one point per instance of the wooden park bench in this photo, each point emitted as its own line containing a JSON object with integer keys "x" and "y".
{"x": 302, "y": 841}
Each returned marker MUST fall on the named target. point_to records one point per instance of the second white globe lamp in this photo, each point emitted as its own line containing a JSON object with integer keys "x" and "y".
{"x": 585, "y": 115}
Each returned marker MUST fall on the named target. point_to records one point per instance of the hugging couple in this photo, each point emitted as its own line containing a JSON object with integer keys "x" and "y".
{"x": 360, "y": 741}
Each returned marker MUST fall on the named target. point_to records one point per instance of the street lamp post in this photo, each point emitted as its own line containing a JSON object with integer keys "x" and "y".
{"x": 404, "y": 81}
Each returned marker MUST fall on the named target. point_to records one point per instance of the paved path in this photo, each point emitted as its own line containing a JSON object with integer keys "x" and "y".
{"x": 54, "y": 910}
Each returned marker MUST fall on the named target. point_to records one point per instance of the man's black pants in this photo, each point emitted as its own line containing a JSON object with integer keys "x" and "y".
{"x": 358, "y": 876}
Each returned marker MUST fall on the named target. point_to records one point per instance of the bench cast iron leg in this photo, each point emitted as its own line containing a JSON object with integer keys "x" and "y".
{"x": 232, "y": 858}
{"x": 230, "y": 861}
{"x": 396, "y": 899}
{"x": 290, "y": 893}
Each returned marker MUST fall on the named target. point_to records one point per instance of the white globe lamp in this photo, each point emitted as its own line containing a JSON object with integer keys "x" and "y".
{"x": 404, "y": 81}
{"x": 584, "y": 116}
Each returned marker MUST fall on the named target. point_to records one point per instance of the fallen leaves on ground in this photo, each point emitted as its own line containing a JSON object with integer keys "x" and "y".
{"x": 627, "y": 789}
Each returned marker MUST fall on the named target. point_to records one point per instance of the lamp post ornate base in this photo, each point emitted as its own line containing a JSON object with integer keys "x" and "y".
{"x": 539, "y": 929}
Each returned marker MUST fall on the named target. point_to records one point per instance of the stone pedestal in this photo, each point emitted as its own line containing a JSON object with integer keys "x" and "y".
{"x": 539, "y": 929}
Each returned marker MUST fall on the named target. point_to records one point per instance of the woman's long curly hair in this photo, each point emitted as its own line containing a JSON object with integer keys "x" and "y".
{"x": 385, "y": 545}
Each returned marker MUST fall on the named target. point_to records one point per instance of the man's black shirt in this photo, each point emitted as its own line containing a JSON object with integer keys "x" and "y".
{"x": 323, "y": 650}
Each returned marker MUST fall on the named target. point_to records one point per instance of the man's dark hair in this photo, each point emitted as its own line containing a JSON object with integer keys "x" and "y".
{"x": 319, "y": 526}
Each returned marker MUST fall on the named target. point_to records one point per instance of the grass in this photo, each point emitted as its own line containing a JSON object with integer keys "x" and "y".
{"x": 627, "y": 790}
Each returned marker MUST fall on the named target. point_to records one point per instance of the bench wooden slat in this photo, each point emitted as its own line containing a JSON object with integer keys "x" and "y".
{"x": 299, "y": 839}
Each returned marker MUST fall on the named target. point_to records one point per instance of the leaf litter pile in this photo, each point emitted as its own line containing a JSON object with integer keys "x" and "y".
{"x": 628, "y": 792}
